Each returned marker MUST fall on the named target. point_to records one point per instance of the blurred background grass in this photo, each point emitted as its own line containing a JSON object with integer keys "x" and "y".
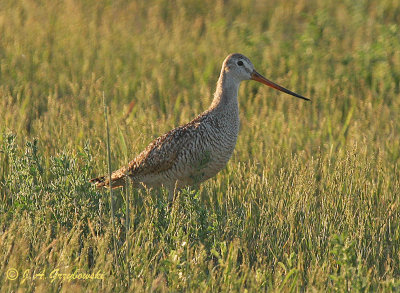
{"x": 310, "y": 197}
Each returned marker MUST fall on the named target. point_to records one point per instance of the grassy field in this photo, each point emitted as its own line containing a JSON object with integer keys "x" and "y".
{"x": 308, "y": 202}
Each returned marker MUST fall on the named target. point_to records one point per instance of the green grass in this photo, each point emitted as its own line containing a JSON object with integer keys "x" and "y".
{"x": 308, "y": 202}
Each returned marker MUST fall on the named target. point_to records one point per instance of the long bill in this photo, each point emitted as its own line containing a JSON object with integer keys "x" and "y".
{"x": 258, "y": 77}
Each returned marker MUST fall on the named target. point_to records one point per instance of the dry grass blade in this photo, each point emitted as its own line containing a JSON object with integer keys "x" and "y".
{"x": 115, "y": 248}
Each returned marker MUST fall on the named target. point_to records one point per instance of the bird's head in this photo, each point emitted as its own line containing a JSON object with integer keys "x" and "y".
{"x": 239, "y": 68}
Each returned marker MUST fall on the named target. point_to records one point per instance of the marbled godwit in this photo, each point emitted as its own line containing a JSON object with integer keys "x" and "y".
{"x": 198, "y": 150}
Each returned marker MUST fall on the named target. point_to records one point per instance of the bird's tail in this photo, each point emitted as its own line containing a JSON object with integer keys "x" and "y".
{"x": 117, "y": 180}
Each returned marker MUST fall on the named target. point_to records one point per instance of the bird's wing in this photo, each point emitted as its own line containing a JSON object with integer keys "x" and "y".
{"x": 162, "y": 153}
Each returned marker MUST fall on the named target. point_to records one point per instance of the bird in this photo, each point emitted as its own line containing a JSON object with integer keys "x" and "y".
{"x": 194, "y": 152}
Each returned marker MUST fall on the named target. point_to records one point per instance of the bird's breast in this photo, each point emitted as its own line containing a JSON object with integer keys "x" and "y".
{"x": 212, "y": 148}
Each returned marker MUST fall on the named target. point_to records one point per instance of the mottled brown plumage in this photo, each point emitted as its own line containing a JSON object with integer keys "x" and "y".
{"x": 198, "y": 150}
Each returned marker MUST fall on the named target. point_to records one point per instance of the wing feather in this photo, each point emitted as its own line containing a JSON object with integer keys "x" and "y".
{"x": 162, "y": 153}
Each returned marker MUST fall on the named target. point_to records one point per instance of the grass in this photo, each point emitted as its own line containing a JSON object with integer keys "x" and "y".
{"x": 309, "y": 200}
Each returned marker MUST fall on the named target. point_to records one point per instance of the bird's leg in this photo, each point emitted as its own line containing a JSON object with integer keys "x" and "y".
{"x": 172, "y": 191}
{"x": 171, "y": 194}
{"x": 171, "y": 197}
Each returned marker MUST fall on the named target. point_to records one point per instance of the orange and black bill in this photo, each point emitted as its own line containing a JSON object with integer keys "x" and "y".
{"x": 258, "y": 77}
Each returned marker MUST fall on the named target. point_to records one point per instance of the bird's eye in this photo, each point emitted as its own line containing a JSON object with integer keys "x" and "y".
{"x": 240, "y": 63}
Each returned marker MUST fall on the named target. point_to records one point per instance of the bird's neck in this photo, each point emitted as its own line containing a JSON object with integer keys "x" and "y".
{"x": 225, "y": 96}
